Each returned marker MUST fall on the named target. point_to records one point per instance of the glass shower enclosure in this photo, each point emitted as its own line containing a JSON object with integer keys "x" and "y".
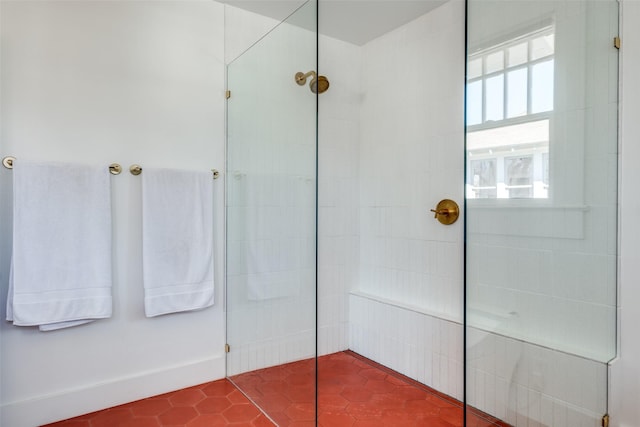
{"x": 331, "y": 242}
{"x": 541, "y": 203}
{"x": 271, "y": 217}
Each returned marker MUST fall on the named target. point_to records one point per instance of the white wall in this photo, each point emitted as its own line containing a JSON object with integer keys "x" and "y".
{"x": 421, "y": 346}
{"x": 551, "y": 263}
{"x": 135, "y": 73}
{"x": 101, "y": 82}
{"x": 406, "y": 308}
{"x": 625, "y": 371}
{"x": 338, "y": 202}
{"x": 271, "y": 288}
{"x": 404, "y": 321}
{"x": 255, "y": 341}
{"x": 242, "y": 29}
{"x": 410, "y": 158}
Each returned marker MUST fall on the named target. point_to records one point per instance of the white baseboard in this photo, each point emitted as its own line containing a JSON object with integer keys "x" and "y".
{"x": 93, "y": 397}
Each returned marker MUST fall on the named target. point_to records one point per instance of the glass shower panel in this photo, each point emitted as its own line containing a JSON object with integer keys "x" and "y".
{"x": 271, "y": 220}
{"x": 541, "y": 210}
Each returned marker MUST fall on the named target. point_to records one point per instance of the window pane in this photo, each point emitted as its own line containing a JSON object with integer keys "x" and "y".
{"x": 495, "y": 62}
{"x": 542, "y": 87}
{"x": 474, "y": 68}
{"x": 495, "y": 98}
{"x": 518, "y": 54}
{"x": 517, "y": 93}
{"x": 474, "y": 103}
{"x": 482, "y": 178}
{"x": 545, "y": 168}
{"x": 541, "y": 47}
{"x": 518, "y": 178}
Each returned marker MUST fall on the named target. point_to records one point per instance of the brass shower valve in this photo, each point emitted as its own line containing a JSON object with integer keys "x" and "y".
{"x": 446, "y": 212}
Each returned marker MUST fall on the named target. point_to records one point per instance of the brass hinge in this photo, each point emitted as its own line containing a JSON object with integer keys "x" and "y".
{"x": 227, "y": 94}
{"x": 605, "y": 420}
{"x": 227, "y": 348}
{"x": 617, "y": 42}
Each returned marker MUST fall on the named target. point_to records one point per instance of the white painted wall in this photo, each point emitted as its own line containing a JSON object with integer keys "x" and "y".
{"x": 101, "y": 82}
{"x": 625, "y": 371}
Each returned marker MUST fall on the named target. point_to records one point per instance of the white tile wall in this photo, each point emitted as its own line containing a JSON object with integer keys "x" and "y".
{"x": 411, "y": 157}
{"x": 528, "y": 385}
{"x": 420, "y": 346}
{"x": 554, "y": 267}
{"x": 338, "y": 220}
{"x": 268, "y": 333}
{"x": 271, "y": 218}
{"x": 518, "y": 382}
{"x": 390, "y": 145}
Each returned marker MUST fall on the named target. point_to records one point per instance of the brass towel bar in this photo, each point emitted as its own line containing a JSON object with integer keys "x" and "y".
{"x": 114, "y": 168}
{"x": 137, "y": 170}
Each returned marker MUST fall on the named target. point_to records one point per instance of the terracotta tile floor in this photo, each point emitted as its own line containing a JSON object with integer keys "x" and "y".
{"x": 352, "y": 392}
{"x": 214, "y": 404}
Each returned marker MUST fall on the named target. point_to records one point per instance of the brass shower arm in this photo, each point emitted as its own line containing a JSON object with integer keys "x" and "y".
{"x": 301, "y": 78}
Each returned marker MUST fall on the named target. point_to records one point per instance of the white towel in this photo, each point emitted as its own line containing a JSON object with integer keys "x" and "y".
{"x": 177, "y": 240}
{"x": 61, "y": 260}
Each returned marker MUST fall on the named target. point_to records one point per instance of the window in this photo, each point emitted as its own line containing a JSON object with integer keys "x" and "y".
{"x": 483, "y": 174}
{"x": 509, "y": 105}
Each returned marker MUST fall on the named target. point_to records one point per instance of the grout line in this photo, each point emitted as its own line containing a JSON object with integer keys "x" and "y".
{"x": 253, "y": 402}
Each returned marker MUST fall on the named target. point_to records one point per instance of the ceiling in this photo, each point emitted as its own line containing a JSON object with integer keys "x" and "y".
{"x": 353, "y": 21}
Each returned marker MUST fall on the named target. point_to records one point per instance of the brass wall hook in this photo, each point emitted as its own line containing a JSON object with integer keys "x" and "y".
{"x": 135, "y": 170}
{"x": 8, "y": 162}
{"x": 447, "y": 212}
{"x": 115, "y": 169}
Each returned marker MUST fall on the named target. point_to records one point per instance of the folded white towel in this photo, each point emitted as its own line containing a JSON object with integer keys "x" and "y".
{"x": 177, "y": 241}
{"x": 61, "y": 260}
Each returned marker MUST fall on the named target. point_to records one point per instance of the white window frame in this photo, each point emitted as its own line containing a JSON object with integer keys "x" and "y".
{"x": 528, "y": 117}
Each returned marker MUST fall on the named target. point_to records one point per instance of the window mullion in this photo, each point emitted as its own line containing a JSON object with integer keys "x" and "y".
{"x": 484, "y": 90}
{"x": 529, "y": 79}
{"x": 484, "y": 100}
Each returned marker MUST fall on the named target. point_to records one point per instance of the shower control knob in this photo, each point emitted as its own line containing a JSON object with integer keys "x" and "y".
{"x": 447, "y": 212}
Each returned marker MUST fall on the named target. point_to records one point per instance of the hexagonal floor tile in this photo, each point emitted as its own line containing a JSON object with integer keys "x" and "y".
{"x": 352, "y": 391}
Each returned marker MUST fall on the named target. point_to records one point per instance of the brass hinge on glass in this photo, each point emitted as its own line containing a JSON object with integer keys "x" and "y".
{"x": 605, "y": 420}
{"x": 227, "y": 94}
{"x": 227, "y": 348}
{"x": 617, "y": 42}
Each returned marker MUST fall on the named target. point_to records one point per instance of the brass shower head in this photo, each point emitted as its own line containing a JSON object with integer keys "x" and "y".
{"x": 318, "y": 84}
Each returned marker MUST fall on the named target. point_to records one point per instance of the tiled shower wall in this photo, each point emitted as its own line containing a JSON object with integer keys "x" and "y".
{"x": 271, "y": 203}
{"x": 338, "y": 232}
{"x": 423, "y": 347}
{"x": 279, "y": 328}
{"x": 389, "y": 275}
{"x": 552, "y": 267}
{"x": 411, "y": 157}
{"x": 406, "y": 310}
{"x": 385, "y": 151}
{"x": 518, "y": 382}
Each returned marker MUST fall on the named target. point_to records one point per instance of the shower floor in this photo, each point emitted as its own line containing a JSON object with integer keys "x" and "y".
{"x": 352, "y": 391}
